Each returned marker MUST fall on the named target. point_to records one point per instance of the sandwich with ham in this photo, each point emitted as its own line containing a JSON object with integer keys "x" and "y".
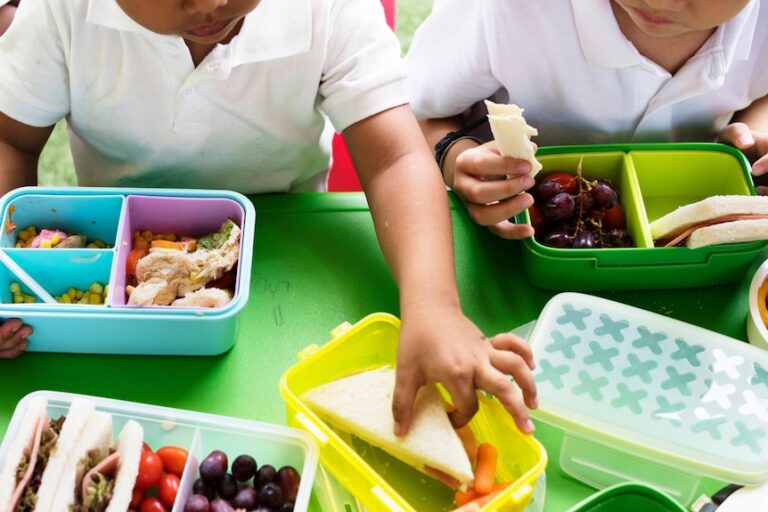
{"x": 713, "y": 221}
{"x": 100, "y": 477}
{"x": 67, "y": 464}
{"x": 361, "y": 405}
{"x": 36, "y": 460}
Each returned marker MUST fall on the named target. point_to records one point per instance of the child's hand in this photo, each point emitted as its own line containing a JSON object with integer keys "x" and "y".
{"x": 753, "y": 144}
{"x": 446, "y": 347}
{"x": 492, "y": 188}
{"x": 13, "y": 338}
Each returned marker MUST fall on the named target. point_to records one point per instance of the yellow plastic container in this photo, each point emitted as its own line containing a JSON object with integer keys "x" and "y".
{"x": 378, "y": 481}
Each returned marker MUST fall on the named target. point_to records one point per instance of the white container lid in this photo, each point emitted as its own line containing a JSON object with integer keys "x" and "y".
{"x": 653, "y": 386}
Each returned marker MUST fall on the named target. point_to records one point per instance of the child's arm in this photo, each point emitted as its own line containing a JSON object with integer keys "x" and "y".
{"x": 412, "y": 219}
{"x": 473, "y": 172}
{"x": 749, "y": 133}
{"x": 20, "y": 147}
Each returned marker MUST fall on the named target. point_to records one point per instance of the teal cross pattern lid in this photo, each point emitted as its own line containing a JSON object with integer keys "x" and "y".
{"x": 653, "y": 386}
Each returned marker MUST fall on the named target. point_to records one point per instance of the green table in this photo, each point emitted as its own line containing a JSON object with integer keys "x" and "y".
{"x": 317, "y": 264}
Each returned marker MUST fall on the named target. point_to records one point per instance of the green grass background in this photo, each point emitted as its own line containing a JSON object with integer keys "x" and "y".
{"x": 56, "y": 168}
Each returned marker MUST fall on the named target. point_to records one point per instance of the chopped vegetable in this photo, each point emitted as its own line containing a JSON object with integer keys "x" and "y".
{"x": 217, "y": 239}
{"x": 762, "y": 306}
{"x": 469, "y": 442}
{"x": 133, "y": 258}
{"x": 485, "y": 474}
{"x": 186, "y": 245}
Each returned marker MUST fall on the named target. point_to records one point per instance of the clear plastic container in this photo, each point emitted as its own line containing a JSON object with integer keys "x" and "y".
{"x": 643, "y": 397}
{"x": 199, "y": 434}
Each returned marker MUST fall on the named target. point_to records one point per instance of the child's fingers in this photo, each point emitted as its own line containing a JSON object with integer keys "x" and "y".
{"x": 14, "y": 352}
{"x": 485, "y": 160}
{"x": 484, "y": 192}
{"x": 738, "y": 135}
{"x": 499, "y": 385}
{"x": 8, "y": 329}
{"x": 407, "y": 384}
{"x": 509, "y": 363}
{"x": 511, "y": 342}
{"x": 490, "y": 214}
{"x": 761, "y": 166}
{"x": 511, "y": 231}
{"x": 464, "y": 398}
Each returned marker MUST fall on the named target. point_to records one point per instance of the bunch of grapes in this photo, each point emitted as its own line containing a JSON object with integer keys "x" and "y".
{"x": 571, "y": 211}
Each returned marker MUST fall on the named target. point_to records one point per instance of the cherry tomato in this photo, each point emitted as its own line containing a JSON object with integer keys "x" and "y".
{"x": 133, "y": 258}
{"x": 568, "y": 182}
{"x": 150, "y": 470}
{"x": 152, "y": 505}
{"x": 613, "y": 218}
{"x": 174, "y": 459}
{"x": 137, "y": 497}
{"x": 168, "y": 488}
{"x": 537, "y": 218}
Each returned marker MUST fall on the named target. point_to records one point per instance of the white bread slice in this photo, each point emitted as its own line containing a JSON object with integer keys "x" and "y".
{"x": 36, "y": 408}
{"x": 78, "y": 416}
{"x": 362, "y": 405}
{"x": 729, "y": 233}
{"x": 129, "y": 446}
{"x": 512, "y": 133}
{"x": 713, "y": 207}
{"x": 96, "y": 436}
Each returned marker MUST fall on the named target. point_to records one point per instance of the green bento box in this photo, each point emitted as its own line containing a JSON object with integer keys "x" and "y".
{"x": 651, "y": 180}
{"x": 628, "y": 497}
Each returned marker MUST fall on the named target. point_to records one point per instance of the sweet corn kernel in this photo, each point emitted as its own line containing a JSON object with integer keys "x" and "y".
{"x": 100, "y": 244}
{"x": 29, "y": 299}
{"x": 94, "y": 299}
{"x": 55, "y": 239}
{"x": 18, "y": 298}
{"x": 15, "y": 288}
{"x": 72, "y": 293}
{"x": 78, "y": 294}
{"x": 45, "y": 244}
{"x": 24, "y": 235}
{"x": 141, "y": 244}
{"x": 106, "y": 290}
{"x": 65, "y": 299}
{"x": 147, "y": 235}
{"x": 96, "y": 288}
{"x": 170, "y": 237}
{"x": 20, "y": 245}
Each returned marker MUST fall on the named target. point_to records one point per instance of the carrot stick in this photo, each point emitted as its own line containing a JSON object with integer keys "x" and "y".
{"x": 485, "y": 474}
{"x": 464, "y": 497}
{"x": 469, "y": 442}
{"x": 478, "y": 503}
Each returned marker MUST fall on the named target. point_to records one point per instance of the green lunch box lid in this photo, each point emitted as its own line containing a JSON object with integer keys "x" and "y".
{"x": 653, "y": 386}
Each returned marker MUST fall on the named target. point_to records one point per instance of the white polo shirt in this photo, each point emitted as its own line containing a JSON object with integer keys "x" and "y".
{"x": 567, "y": 63}
{"x": 250, "y": 117}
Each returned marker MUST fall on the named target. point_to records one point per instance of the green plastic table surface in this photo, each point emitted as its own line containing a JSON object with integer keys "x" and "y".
{"x": 317, "y": 264}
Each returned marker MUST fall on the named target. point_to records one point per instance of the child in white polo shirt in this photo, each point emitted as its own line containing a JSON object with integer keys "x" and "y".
{"x": 233, "y": 94}
{"x": 587, "y": 72}
{"x": 7, "y": 10}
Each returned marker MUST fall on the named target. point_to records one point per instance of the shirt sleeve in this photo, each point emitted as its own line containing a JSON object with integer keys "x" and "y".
{"x": 363, "y": 72}
{"x": 448, "y": 64}
{"x": 34, "y": 79}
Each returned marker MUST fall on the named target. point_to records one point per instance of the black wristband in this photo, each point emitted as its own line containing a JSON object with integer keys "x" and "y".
{"x": 442, "y": 147}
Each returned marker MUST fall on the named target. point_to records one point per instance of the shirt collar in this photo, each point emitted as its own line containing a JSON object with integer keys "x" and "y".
{"x": 275, "y": 29}
{"x": 604, "y": 44}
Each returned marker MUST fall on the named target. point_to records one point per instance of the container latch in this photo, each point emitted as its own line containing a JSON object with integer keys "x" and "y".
{"x": 340, "y": 329}
{"x": 307, "y": 351}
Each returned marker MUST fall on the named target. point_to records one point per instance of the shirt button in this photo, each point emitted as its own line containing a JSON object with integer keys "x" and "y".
{"x": 172, "y": 48}
{"x": 189, "y": 92}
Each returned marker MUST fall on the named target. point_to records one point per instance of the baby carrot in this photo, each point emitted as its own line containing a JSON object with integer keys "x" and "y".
{"x": 485, "y": 474}
{"x": 464, "y": 497}
{"x": 477, "y": 504}
{"x": 469, "y": 442}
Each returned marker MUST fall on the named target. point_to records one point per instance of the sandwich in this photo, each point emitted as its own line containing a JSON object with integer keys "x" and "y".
{"x": 712, "y": 221}
{"x": 99, "y": 477}
{"x": 67, "y": 463}
{"x": 361, "y": 405}
{"x": 512, "y": 133}
{"x": 37, "y": 458}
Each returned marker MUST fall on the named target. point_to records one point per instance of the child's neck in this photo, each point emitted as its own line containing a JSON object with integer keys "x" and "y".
{"x": 671, "y": 52}
{"x": 199, "y": 51}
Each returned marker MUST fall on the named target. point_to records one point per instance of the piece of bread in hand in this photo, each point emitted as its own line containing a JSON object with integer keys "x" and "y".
{"x": 714, "y": 220}
{"x": 361, "y": 404}
{"x": 512, "y": 133}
